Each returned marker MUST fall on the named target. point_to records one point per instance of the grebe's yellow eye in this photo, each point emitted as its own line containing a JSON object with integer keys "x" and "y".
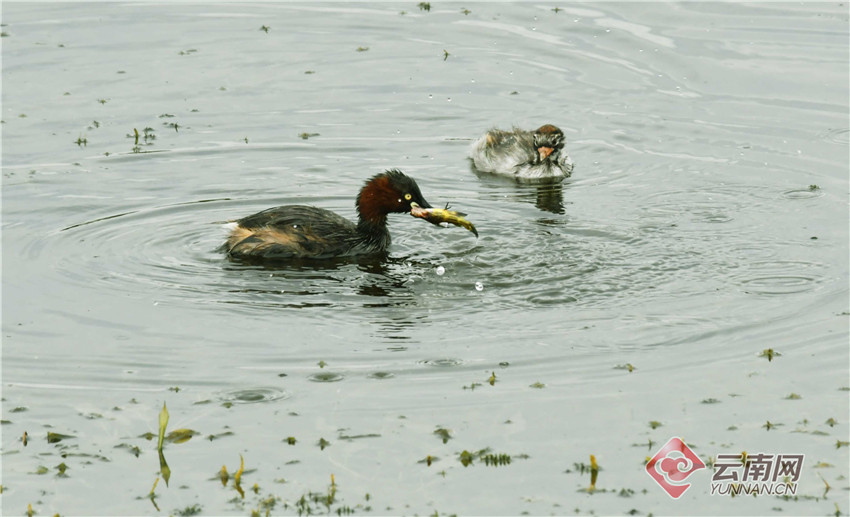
{"x": 408, "y": 197}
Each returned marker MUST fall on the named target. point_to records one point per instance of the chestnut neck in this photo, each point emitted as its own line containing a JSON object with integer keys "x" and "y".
{"x": 372, "y": 210}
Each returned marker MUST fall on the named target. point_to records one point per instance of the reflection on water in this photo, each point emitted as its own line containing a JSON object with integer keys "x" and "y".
{"x": 549, "y": 194}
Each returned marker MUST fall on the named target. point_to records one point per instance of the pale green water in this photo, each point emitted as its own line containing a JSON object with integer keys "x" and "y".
{"x": 687, "y": 241}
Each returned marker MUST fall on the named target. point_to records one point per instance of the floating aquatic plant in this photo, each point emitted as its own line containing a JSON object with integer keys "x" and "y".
{"x": 466, "y": 458}
{"x": 769, "y": 353}
{"x": 488, "y": 458}
{"x": 219, "y": 435}
{"x": 237, "y": 478}
{"x": 195, "y": 509}
{"x": 594, "y": 473}
{"x": 163, "y": 465}
{"x": 265, "y": 28}
{"x": 648, "y": 444}
{"x": 444, "y": 434}
{"x": 822, "y": 465}
{"x": 57, "y": 437}
{"x": 428, "y": 460}
{"x": 181, "y": 435}
{"x": 163, "y": 422}
{"x": 497, "y": 459}
{"x": 152, "y": 495}
{"x": 133, "y": 449}
{"x": 770, "y": 425}
{"x": 424, "y": 6}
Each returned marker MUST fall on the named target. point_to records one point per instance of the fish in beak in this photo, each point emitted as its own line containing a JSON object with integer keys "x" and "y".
{"x": 442, "y": 216}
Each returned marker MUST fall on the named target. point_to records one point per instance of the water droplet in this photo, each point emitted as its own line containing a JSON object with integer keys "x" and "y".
{"x": 449, "y": 99}
{"x": 479, "y": 286}
{"x": 430, "y": 96}
{"x": 441, "y": 270}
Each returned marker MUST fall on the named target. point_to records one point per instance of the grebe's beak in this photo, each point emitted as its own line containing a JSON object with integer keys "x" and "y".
{"x": 545, "y": 152}
{"x": 418, "y": 211}
{"x": 441, "y": 217}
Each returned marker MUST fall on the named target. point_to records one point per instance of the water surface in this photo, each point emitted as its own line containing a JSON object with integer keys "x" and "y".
{"x": 705, "y": 222}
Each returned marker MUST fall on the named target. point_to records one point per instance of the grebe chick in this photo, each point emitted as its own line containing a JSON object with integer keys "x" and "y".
{"x": 524, "y": 155}
{"x": 305, "y": 232}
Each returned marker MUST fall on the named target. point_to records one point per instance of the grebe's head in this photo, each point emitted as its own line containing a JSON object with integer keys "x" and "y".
{"x": 390, "y": 191}
{"x": 548, "y": 141}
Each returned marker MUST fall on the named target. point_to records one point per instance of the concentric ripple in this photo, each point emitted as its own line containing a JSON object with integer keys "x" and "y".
{"x": 326, "y": 377}
{"x": 172, "y": 253}
{"x": 780, "y": 277}
{"x": 253, "y": 395}
{"x": 713, "y": 205}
